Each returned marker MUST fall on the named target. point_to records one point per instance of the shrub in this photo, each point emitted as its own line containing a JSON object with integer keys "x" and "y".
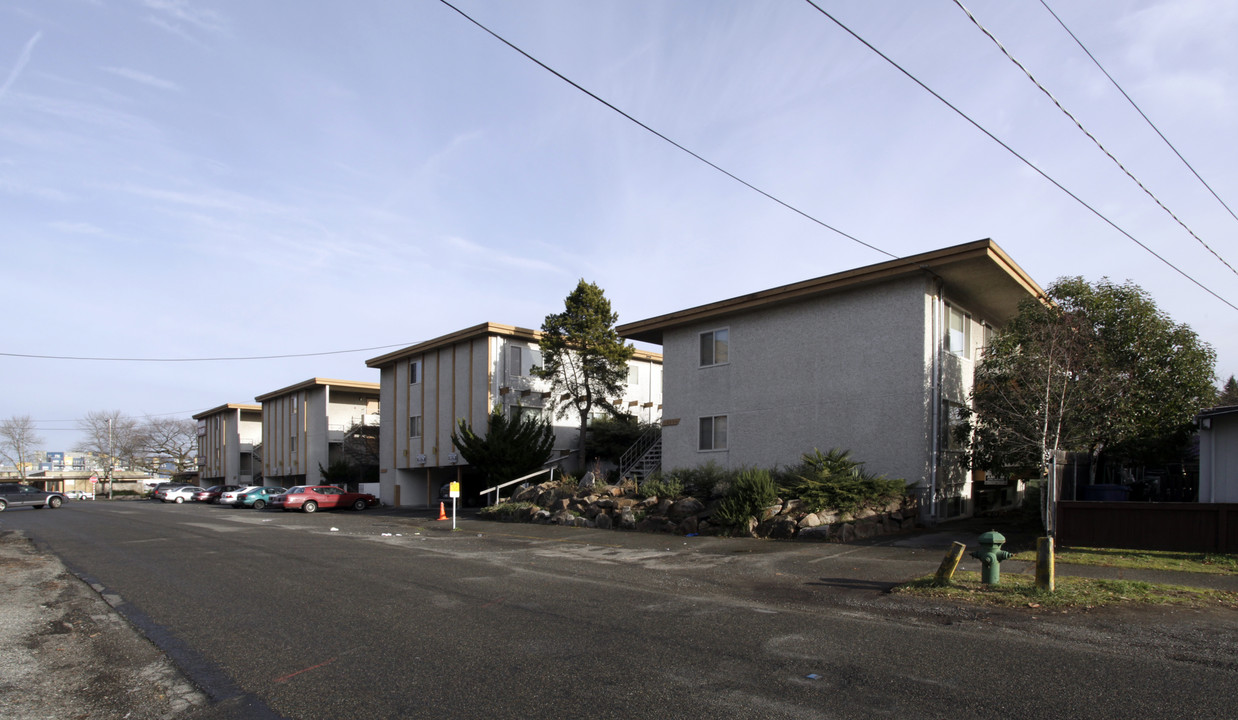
{"x": 751, "y": 491}
{"x": 506, "y": 511}
{"x": 661, "y": 486}
{"x": 833, "y": 481}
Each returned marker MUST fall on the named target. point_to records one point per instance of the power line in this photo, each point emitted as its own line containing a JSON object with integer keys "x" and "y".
{"x": 649, "y": 129}
{"x": 1137, "y": 108}
{"x": 200, "y": 359}
{"x": 1090, "y": 136}
{"x": 1024, "y": 160}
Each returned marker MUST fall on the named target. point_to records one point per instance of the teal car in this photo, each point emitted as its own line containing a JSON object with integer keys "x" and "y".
{"x": 257, "y": 498}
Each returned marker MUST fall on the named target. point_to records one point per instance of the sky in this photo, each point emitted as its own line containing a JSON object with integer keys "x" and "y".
{"x": 184, "y": 179}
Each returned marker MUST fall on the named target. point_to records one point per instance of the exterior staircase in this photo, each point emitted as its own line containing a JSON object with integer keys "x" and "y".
{"x": 644, "y": 458}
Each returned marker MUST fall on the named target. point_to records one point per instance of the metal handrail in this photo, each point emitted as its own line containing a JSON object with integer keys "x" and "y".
{"x": 639, "y": 449}
{"x": 496, "y": 488}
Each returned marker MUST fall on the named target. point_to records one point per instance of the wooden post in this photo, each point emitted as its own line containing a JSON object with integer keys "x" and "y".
{"x": 1044, "y": 564}
{"x": 950, "y": 563}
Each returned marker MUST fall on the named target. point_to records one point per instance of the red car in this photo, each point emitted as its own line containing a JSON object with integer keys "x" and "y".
{"x": 309, "y": 498}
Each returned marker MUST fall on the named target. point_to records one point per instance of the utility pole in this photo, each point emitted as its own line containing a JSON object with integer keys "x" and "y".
{"x": 110, "y": 461}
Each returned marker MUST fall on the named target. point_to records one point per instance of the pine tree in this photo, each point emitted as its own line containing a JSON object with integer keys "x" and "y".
{"x": 583, "y": 357}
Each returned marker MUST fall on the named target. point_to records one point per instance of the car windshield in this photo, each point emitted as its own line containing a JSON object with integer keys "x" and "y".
{"x": 297, "y": 489}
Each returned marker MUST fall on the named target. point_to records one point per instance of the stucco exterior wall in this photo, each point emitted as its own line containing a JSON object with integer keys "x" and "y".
{"x": 849, "y": 370}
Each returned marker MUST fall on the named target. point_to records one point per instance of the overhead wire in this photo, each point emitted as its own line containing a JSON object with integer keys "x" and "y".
{"x": 1138, "y": 109}
{"x": 667, "y": 139}
{"x": 1015, "y": 153}
{"x": 1090, "y": 136}
{"x": 201, "y": 359}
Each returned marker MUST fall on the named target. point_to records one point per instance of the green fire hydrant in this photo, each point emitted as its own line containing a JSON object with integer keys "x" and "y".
{"x": 990, "y": 556}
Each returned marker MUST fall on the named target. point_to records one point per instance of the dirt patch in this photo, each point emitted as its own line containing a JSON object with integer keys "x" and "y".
{"x": 65, "y": 653}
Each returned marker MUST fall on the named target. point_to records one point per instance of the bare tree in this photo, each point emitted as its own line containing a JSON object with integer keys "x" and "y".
{"x": 18, "y": 440}
{"x": 112, "y": 434}
{"x": 173, "y": 440}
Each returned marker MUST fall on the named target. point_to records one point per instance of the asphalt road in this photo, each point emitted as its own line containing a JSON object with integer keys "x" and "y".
{"x": 383, "y": 614}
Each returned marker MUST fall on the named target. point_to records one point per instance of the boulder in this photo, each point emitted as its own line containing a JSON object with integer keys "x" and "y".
{"x": 781, "y": 528}
{"x": 681, "y": 509}
{"x": 816, "y": 533}
{"x": 603, "y": 521}
{"x": 687, "y": 526}
{"x": 627, "y": 520}
{"x": 811, "y": 520}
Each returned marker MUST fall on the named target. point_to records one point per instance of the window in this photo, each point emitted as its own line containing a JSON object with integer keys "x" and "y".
{"x": 414, "y": 372}
{"x": 292, "y": 443}
{"x": 634, "y": 375}
{"x": 715, "y": 346}
{"x": 514, "y": 366}
{"x": 713, "y": 433}
{"x": 958, "y": 332}
{"x": 953, "y": 416}
{"x": 414, "y": 426}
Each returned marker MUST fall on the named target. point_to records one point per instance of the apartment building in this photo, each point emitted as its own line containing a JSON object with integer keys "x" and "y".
{"x": 428, "y": 387}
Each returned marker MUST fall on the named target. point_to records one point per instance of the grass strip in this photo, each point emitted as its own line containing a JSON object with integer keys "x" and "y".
{"x": 1195, "y": 562}
{"x": 1019, "y": 590}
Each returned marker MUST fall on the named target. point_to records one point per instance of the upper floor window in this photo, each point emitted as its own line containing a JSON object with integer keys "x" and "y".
{"x": 414, "y": 372}
{"x": 713, "y": 433}
{"x": 958, "y": 332}
{"x": 715, "y": 347}
{"x": 414, "y": 426}
{"x": 516, "y": 360}
{"x": 633, "y": 375}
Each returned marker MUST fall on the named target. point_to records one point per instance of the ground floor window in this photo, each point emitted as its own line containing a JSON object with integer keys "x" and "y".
{"x": 713, "y": 433}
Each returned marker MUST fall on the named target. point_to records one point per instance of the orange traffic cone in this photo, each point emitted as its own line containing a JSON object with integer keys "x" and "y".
{"x": 442, "y": 512}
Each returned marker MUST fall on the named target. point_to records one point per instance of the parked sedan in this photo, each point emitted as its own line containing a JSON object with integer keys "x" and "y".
{"x": 229, "y": 497}
{"x": 212, "y": 494}
{"x": 178, "y": 495}
{"x": 309, "y": 498}
{"x": 258, "y": 497}
{"x": 18, "y": 495}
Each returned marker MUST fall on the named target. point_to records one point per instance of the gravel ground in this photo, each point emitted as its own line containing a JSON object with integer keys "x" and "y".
{"x": 66, "y": 655}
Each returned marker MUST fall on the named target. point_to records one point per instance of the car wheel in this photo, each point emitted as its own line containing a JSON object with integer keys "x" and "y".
{"x": 258, "y": 504}
{"x": 54, "y": 502}
{"x": 3, "y": 505}
{"x": 180, "y": 500}
{"x": 359, "y": 504}
{"x": 309, "y": 506}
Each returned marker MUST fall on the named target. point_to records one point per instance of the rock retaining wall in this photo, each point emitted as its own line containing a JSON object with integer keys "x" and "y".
{"x": 608, "y": 507}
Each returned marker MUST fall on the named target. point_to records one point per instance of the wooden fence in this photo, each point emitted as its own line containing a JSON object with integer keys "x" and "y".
{"x": 1188, "y": 527}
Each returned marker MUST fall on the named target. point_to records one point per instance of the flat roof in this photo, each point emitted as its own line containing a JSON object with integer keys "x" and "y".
{"x": 226, "y": 407}
{"x": 486, "y": 329}
{"x": 317, "y": 382}
{"x": 977, "y": 274}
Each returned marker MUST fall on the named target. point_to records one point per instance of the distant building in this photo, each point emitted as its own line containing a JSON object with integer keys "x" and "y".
{"x": 228, "y": 439}
{"x": 303, "y": 427}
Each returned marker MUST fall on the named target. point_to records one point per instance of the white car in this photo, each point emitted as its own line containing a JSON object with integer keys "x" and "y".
{"x": 180, "y": 494}
{"x": 80, "y": 495}
{"x": 229, "y": 498}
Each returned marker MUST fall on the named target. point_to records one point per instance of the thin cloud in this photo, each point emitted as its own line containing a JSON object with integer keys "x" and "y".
{"x": 21, "y": 64}
{"x": 478, "y": 254}
{"x": 172, "y": 14}
{"x": 77, "y": 228}
{"x": 143, "y": 78}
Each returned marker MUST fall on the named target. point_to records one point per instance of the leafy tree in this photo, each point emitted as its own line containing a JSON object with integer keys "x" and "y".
{"x": 583, "y": 357}
{"x": 1229, "y": 393}
{"x": 1097, "y": 369}
{"x": 509, "y": 449}
{"x": 18, "y": 441}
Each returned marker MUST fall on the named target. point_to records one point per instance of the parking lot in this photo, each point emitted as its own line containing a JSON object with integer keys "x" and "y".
{"x": 389, "y": 613}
